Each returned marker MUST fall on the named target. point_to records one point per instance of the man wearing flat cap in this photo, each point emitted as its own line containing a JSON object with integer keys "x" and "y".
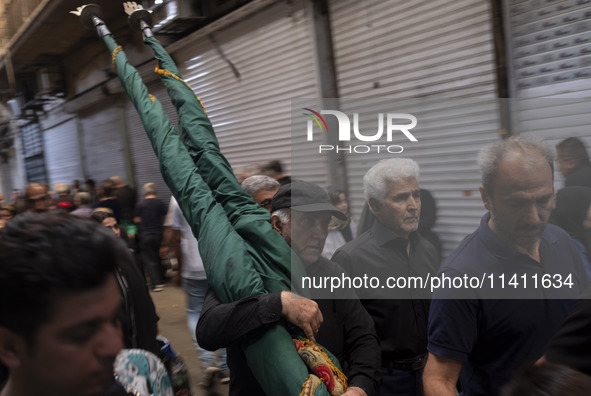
{"x": 300, "y": 212}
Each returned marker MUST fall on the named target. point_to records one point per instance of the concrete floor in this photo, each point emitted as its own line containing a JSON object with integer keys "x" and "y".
{"x": 170, "y": 306}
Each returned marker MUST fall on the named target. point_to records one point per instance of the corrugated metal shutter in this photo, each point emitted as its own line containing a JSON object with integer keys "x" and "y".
{"x": 551, "y": 47}
{"x": 145, "y": 163}
{"x": 62, "y": 152}
{"x": 436, "y": 50}
{"x": 550, "y": 50}
{"x": 103, "y": 145}
{"x": 273, "y": 53}
{"x": 32, "y": 140}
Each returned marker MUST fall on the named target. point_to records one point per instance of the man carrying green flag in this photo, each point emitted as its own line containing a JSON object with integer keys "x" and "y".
{"x": 242, "y": 254}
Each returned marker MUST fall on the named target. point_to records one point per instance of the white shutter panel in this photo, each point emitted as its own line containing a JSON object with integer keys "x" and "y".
{"x": 104, "y": 148}
{"x": 62, "y": 152}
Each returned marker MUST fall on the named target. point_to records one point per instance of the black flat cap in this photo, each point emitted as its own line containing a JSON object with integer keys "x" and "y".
{"x": 304, "y": 197}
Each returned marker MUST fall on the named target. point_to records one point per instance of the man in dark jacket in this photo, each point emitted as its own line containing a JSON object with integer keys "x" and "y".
{"x": 300, "y": 213}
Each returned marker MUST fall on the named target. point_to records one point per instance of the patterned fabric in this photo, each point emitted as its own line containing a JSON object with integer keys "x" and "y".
{"x": 142, "y": 373}
{"x": 310, "y": 386}
{"x": 321, "y": 365}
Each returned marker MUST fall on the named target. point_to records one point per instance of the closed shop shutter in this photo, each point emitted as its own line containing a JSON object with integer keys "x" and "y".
{"x": 102, "y": 141}
{"x": 550, "y": 51}
{"x": 246, "y": 81}
{"x": 550, "y": 45}
{"x": 442, "y": 52}
{"x": 32, "y": 144}
{"x": 62, "y": 152}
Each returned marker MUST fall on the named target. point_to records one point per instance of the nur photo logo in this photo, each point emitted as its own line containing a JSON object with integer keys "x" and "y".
{"x": 388, "y": 124}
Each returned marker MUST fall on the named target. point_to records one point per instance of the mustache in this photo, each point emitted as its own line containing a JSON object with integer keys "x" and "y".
{"x": 316, "y": 243}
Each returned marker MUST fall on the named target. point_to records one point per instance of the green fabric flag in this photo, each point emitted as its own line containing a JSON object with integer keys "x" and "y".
{"x": 242, "y": 254}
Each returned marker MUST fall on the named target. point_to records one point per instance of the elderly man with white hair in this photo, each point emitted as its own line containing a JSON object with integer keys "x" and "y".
{"x": 393, "y": 249}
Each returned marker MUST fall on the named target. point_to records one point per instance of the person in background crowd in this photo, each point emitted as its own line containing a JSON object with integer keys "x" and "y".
{"x": 571, "y": 345}
{"x": 7, "y": 212}
{"x": 261, "y": 188}
{"x": 64, "y": 199}
{"x": 61, "y": 268}
{"x": 245, "y": 171}
{"x": 573, "y": 214}
{"x": 339, "y": 231}
{"x": 127, "y": 196}
{"x": 82, "y": 203}
{"x": 37, "y": 198}
{"x": 482, "y": 341}
{"x": 75, "y": 186}
{"x": 573, "y": 162}
{"x": 179, "y": 238}
{"x": 14, "y": 197}
{"x": 140, "y": 321}
{"x": 149, "y": 216}
{"x": 548, "y": 379}
{"x": 91, "y": 189}
{"x": 108, "y": 200}
{"x": 275, "y": 170}
{"x": 393, "y": 247}
{"x": 428, "y": 219}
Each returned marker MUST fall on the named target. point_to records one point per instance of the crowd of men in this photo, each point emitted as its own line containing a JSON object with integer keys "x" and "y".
{"x": 68, "y": 272}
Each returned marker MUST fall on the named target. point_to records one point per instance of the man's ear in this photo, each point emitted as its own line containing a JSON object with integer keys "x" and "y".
{"x": 374, "y": 205}
{"x": 276, "y": 223}
{"x": 12, "y": 348}
{"x": 485, "y": 198}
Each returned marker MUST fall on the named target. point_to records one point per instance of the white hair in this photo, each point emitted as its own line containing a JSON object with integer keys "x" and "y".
{"x": 490, "y": 156}
{"x": 150, "y": 189}
{"x": 253, "y": 184}
{"x": 284, "y": 215}
{"x": 375, "y": 181}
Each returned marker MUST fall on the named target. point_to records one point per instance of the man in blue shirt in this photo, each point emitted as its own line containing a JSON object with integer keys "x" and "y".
{"x": 483, "y": 336}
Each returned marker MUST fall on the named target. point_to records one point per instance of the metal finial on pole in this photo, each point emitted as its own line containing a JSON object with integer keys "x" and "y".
{"x": 139, "y": 18}
{"x": 92, "y": 17}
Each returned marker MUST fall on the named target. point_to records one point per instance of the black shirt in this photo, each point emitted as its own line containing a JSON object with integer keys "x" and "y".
{"x": 581, "y": 176}
{"x": 347, "y": 332}
{"x": 400, "y": 314}
{"x": 152, "y": 212}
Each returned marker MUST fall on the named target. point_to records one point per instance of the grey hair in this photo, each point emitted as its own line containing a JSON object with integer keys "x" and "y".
{"x": 284, "y": 215}
{"x": 82, "y": 197}
{"x": 256, "y": 183}
{"x": 375, "y": 181}
{"x": 61, "y": 188}
{"x": 150, "y": 189}
{"x": 491, "y": 155}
